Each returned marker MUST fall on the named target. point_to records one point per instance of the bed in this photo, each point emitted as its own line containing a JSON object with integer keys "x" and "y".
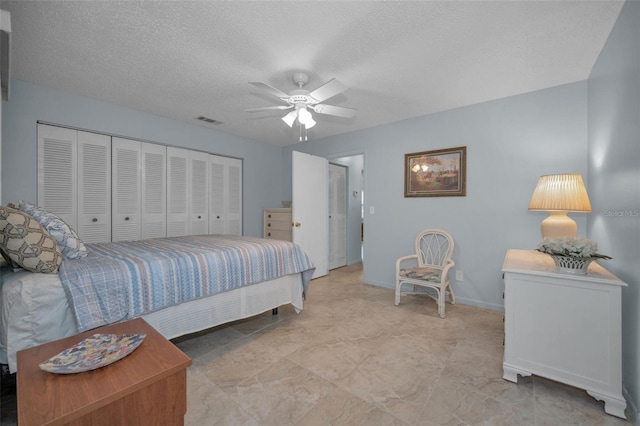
{"x": 178, "y": 285}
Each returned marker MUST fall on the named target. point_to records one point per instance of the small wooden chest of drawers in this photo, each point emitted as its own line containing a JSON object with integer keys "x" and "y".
{"x": 277, "y": 224}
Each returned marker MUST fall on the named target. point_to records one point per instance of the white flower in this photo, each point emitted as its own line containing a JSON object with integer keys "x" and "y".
{"x": 570, "y": 246}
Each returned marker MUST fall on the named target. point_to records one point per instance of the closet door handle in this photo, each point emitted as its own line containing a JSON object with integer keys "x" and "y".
{"x": 95, "y": 219}
{"x": 126, "y": 218}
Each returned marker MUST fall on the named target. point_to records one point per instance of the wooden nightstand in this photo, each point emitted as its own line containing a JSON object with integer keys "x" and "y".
{"x": 147, "y": 387}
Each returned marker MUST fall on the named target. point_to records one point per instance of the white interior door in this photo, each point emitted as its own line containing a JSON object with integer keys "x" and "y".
{"x": 154, "y": 193}
{"x": 234, "y": 197}
{"x": 337, "y": 216}
{"x": 198, "y": 193}
{"x": 94, "y": 187}
{"x": 310, "y": 208}
{"x": 58, "y": 172}
{"x": 125, "y": 208}
{"x": 177, "y": 192}
{"x": 217, "y": 196}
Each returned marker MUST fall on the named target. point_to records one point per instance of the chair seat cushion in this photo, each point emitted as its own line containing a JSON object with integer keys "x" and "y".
{"x": 425, "y": 273}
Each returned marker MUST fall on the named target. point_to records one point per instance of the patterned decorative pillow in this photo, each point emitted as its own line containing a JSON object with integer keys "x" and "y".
{"x": 26, "y": 244}
{"x": 71, "y": 245}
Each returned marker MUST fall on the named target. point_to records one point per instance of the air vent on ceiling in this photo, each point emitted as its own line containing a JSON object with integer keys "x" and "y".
{"x": 208, "y": 120}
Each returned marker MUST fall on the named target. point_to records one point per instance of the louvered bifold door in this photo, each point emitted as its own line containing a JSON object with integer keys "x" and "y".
{"x": 154, "y": 194}
{"x": 199, "y": 193}
{"x": 177, "y": 192}
{"x": 217, "y": 202}
{"x": 234, "y": 196}
{"x": 126, "y": 177}
{"x": 57, "y": 172}
{"x": 94, "y": 187}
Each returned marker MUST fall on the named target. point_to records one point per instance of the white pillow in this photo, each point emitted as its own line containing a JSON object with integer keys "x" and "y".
{"x": 70, "y": 244}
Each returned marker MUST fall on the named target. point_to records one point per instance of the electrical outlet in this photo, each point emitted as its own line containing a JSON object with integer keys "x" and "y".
{"x": 459, "y": 276}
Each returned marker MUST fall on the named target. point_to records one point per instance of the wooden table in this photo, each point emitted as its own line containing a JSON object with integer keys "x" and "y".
{"x": 147, "y": 387}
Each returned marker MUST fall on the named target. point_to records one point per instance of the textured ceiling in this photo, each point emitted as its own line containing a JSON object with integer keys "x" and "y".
{"x": 183, "y": 59}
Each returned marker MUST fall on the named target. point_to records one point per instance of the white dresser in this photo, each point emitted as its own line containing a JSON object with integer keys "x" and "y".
{"x": 277, "y": 224}
{"x": 564, "y": 327}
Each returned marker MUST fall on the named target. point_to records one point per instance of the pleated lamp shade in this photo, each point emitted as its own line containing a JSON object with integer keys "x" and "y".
{"x": 560, "y": 194}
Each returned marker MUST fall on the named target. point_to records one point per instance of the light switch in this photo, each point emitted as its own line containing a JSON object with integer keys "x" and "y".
{"x": 372, "y": 210}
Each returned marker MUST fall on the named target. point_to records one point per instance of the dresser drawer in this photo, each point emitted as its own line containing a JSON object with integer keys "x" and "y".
{"x": 283, "y": 225}
{"x": 277, "y": 216}
{"x": 276, "y": 234}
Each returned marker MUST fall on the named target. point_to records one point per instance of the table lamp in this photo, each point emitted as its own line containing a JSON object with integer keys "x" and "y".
{"x": 559, "y": 195}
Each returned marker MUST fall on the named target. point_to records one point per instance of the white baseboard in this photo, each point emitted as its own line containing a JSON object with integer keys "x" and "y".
{"x": 461, "y": 300}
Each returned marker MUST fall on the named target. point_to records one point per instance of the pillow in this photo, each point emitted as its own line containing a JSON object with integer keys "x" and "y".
{"x": 27, "y": 244}
{"x": 70, "y": 244}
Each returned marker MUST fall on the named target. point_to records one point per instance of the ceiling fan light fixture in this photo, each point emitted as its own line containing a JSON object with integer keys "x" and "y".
{"x": 290, "y": 118}
{"x": 309, "y": 123}
{"x": 304, "y": 117}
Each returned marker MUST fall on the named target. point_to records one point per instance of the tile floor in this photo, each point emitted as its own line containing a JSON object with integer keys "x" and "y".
{"x": 353, "y": 358}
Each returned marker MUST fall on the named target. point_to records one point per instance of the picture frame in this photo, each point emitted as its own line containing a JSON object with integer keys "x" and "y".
{"x": 436, "y": 173}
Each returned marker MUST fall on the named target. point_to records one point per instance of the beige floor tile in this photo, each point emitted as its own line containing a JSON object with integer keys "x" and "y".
{"x": 281, "y": 394}
{"x": 352, "y": 357}
{"x": 342, "y": 408}
{"x": 208, "y": 405}
{"x": 451, "y": 404}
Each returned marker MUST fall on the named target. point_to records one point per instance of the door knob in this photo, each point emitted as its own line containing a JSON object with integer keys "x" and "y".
{"x": 298, "y": 224}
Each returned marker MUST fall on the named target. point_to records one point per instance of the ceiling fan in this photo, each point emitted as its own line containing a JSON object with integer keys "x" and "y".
{"x": 301, "y": 101}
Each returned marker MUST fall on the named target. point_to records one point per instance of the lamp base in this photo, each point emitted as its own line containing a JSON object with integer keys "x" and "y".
{"x": 558, "y": 224}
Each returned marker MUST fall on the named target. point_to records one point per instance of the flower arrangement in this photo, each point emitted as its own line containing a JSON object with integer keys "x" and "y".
{"x": 575, "y": 247}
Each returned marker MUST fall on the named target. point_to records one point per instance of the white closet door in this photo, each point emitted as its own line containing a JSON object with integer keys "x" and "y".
{"x": 199, "y": 193}
{"x": 126, "y": 190}
{"x": 177, "y": 192}
{"x": 217, "y": 202}
{"x": 57, "y": 172}
{"x": 94, "y": 187}
{"x": 154, "y": 194}
{"x": 234, "y": 198}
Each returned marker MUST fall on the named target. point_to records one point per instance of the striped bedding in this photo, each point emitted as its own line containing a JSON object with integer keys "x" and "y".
{"x": 117, "y": 281}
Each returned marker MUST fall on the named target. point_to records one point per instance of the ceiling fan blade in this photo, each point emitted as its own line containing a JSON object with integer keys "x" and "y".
{"x": 334, "y": 110}
{"x": 269, "y": 108}
{"x": 269, "y": 89}
{"x": 328, "y": 90}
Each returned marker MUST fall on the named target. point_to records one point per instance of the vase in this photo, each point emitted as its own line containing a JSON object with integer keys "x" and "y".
{"x": 571, "y": 265}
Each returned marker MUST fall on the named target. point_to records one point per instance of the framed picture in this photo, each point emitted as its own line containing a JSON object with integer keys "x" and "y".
{"x": 439, "y": 173}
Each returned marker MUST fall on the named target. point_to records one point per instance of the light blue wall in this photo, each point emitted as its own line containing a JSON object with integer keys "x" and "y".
{"x": 614, "y": 176}
{"x": 262, "y": 163}
{"x": 510, "y": 143}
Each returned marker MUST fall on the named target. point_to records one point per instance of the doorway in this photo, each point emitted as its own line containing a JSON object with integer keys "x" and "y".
{"x": 337, "y": 216}
{"x": 353, "y": 199}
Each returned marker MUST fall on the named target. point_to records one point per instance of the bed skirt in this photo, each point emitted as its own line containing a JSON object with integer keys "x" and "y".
{"x": 35, "y": 310}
